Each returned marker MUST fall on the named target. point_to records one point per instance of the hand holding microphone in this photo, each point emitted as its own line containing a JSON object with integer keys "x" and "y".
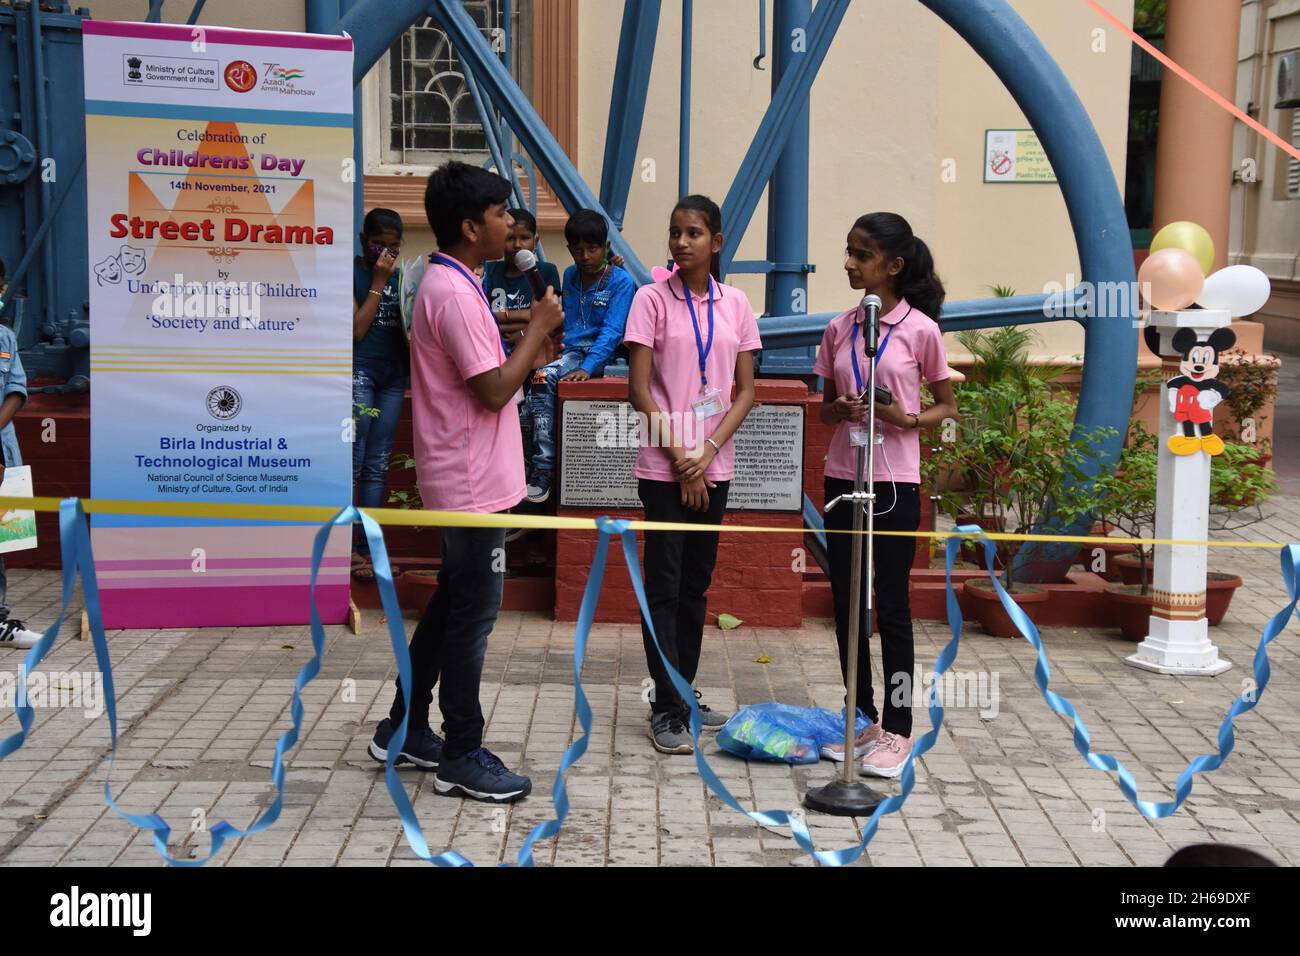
{"x": 546, "y": 313}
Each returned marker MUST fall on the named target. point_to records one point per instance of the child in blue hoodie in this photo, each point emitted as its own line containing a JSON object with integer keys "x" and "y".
{"x": 597, "y": 297}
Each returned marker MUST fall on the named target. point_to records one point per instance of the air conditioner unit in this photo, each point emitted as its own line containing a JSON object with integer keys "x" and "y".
{"x": 1288, "y": 83}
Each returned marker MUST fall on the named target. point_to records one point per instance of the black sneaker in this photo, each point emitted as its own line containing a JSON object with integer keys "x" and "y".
{"x": 13, "y": 633}
{"x": 710, "y": 719}
{"x": 423, "y": 748}
{"x": 480, "y": 775}
{"x": 670, "y": 735}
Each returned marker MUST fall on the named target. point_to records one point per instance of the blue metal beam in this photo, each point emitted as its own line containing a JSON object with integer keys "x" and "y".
{"x": 197, "y": 11}
{"x": 373, "y": 26}
{"x": 322, "y": 16}
{"x": 789, "y": 331}
{"x": 501, "y": 89}
{"x": 684, "y": 111}
{"x": 1092, "y": 197}
{"x": 778, "y": 123}
{"x": 636, "y": 52}
{"x": 787, "y": 210}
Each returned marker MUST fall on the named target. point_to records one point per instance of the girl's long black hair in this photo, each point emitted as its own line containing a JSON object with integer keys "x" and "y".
{"x": 707, "y": 208}
{"x": 918, "y": 282}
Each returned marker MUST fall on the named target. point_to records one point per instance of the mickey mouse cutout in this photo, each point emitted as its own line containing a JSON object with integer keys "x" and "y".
{"x": 1194, "y": 393}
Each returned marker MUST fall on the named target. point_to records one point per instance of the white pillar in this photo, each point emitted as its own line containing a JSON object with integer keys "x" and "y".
{"x": 1179, "y": 638}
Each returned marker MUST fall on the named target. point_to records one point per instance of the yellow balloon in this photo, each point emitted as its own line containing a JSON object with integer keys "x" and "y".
{"x": 1189, "y": 237}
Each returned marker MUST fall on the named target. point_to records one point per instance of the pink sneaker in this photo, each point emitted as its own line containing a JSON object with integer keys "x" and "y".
{"x": 861, "y": 747}
{"x": 887, "y": 757}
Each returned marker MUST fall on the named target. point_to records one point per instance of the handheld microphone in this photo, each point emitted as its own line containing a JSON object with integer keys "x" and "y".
{"x": 871, "y": 305}
{"x": 526, "y": 263}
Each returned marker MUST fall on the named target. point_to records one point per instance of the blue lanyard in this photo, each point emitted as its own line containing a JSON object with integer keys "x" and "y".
{"x": 701, "y": 348}
{"x": 584, "y": 298}
{"x": 442, "y": 260}
{"x": 880, "y": 349}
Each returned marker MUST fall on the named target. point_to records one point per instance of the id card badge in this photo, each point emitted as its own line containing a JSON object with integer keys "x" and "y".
{"x": 708, "y": 404}
{"x": 860, "y": 437}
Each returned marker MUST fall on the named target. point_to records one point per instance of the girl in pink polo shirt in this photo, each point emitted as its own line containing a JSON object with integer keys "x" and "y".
{"x": 690, "y": 339}
{"x": 885, "y": 258}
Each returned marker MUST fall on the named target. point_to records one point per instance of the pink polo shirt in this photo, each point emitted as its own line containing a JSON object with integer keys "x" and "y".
{"x": 467, "y": 458}
{"x": 659, "y": 318}
{"x": 914, "y": 351}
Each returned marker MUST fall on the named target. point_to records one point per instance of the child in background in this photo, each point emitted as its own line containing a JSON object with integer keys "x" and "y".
{"x": 13, "y": 386}
{"x": 597, "y": 295}
{"x": 511, "y": 298}
{"x": 507, "y": 289}
{"x": 380, "y": 365}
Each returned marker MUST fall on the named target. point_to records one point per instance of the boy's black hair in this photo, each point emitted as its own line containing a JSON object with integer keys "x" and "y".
{"x": 918, "y": 282}
{"x": 586, "y": 225}
{"x": 712, "y": 214}
{"x": 380, "y": 220}
{"x": 459, "y": 191}
{"x": 525, "y": 217}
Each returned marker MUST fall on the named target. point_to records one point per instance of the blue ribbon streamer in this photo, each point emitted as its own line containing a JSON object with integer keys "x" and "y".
{"x": 778, "y": 818}
{"x": 1205, "y": 763}
{"x": 77, "y": 557}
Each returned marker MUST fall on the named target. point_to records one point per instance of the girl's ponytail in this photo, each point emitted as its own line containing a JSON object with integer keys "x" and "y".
{"x": 918, "y": 282}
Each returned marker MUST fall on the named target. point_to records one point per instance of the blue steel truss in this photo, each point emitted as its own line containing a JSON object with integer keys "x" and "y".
{"x": 776, "y": 157}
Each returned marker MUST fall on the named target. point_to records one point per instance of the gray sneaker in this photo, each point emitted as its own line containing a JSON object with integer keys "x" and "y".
{"x": 710, "y": 719}
{"x": 670, "y": 735}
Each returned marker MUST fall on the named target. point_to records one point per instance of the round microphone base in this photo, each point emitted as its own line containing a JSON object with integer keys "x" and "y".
{"x": 842, "y": 799}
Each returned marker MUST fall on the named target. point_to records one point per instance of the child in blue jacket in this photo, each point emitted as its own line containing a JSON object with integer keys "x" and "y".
{"x": 597, "y": 297}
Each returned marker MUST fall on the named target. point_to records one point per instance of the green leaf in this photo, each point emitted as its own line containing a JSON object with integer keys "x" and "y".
{"x": 728, "y": 622}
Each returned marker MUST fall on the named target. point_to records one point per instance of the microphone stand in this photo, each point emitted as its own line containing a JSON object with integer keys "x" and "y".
{"x": 848, "y": 796}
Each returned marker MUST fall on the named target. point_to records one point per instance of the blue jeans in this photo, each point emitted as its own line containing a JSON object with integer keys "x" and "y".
{"x": 450, "y": 641}
{"x": 541, "y": 408}
{"x": 381, "y": 384}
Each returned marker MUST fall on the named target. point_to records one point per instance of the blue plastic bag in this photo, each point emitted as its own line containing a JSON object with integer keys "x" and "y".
{"x": 783, "y": 733}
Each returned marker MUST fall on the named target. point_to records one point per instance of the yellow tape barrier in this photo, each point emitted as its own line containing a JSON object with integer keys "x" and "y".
{"x": 398, "y": 517}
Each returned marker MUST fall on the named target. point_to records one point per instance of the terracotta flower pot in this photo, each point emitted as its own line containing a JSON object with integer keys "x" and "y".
{"x": 973, "y": 551}
{"x": 418, "y": 586}
{"x": 1130, "y": 569}
{"x": 1219, "y": 588}
{"x": 1130, "y": 609}
{"x": 988, "y": 610}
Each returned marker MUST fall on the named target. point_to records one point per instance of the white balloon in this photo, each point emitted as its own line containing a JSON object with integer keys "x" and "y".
{"x": 1242, "y": 290}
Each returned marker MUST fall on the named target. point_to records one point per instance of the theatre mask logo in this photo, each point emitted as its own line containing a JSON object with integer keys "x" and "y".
{"x": 241, "y": 76}
{"x": 224, "y": 403}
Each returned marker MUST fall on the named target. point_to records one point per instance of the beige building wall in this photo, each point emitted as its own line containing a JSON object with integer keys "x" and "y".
{"x": 1265, "y": 223}
{"x": 898, "y": 94}
{"x": 286, "y": 15}
{"x": 882, "y": 125}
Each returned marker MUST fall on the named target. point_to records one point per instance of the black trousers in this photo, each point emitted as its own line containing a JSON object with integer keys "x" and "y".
{"x": 893, "y": 564}
{"x": 678, "y": 570}
{"x": 450, "y": 642}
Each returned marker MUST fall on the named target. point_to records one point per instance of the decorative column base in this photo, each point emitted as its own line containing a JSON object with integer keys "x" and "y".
{"x": 1179, "y": 647}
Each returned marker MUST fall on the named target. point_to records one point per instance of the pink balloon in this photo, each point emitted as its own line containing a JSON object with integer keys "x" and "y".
{"x": 1171, "y": 279}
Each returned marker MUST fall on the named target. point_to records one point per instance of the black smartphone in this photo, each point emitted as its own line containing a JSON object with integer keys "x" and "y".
{"x": 883, "y": 395}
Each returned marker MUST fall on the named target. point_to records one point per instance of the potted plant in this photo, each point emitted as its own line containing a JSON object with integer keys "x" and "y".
{"x": 1128, "y": 497}
{"x": 1015, "y": 444}
{"x": 1252, "y": 384}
